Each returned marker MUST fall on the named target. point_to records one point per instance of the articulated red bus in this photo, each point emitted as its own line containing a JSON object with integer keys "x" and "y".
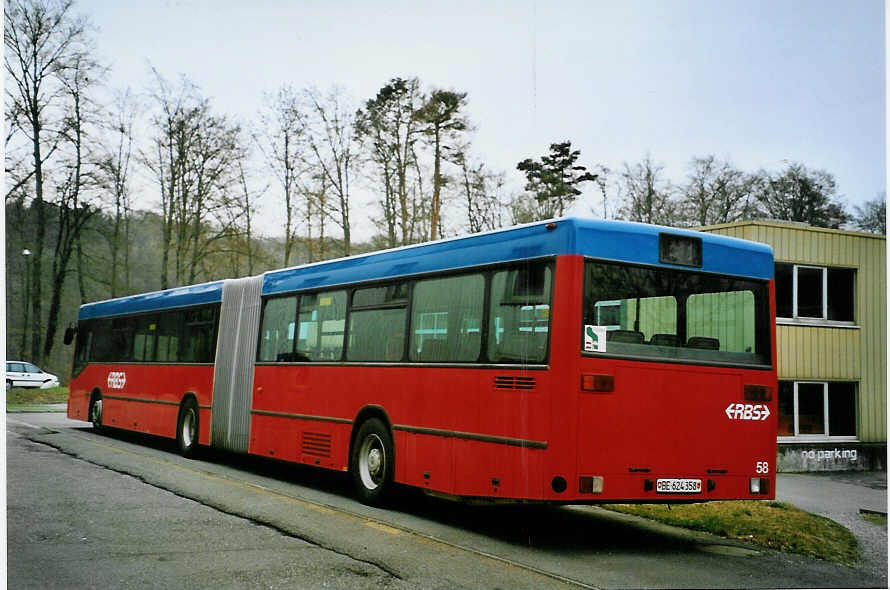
{"x": 571, "y": 361}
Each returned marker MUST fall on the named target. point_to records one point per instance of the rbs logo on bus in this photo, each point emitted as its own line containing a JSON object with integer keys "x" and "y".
{"x": 117, "y": 380}
{"x": 747, "y": 412}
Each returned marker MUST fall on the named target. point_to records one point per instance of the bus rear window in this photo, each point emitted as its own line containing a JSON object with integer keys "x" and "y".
{"x": 676, "y": 315}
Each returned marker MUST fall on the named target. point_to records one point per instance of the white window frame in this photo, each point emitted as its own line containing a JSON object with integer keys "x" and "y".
{"x": 796, "y": 319}
{"x": 797, "y": 437}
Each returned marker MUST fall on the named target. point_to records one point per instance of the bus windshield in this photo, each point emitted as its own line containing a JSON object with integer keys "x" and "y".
{"x": 675, "y": 315}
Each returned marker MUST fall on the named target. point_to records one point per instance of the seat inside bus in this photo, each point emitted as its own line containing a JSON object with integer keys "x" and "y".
{"x": 664, "y": 340}
{"x": 523, "y": 347}
{"x": 703, "y": 342}
{"x": 627, "y": 336}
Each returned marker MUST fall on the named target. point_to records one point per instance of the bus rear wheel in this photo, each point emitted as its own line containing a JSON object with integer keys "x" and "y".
{"x": 372, "y": 462}
{"x": 96, "y": 413}
{"x": 187, "y": 428}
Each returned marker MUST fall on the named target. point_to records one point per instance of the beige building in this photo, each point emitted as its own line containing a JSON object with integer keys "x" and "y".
{"x": 831, "y": 331}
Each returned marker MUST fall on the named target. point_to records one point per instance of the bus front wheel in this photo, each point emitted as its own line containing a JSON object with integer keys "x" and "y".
{"x": 187, "y": 428}
{"x": 372, "y": 462}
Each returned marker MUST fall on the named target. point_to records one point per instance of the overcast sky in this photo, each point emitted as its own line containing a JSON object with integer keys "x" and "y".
{"x": 758, "y": 82}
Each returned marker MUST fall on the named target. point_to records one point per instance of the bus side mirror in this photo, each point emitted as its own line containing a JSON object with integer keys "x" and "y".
{"x": 70, "y": 331}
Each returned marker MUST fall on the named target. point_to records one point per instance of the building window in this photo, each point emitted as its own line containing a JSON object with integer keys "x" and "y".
{"x": 817, "y": 410}
{"x": 815, "y": 292}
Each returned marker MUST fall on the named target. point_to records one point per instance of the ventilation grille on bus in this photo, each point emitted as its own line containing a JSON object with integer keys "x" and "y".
{"x": 504, "y": 382}
{"x": 316, "y": 444}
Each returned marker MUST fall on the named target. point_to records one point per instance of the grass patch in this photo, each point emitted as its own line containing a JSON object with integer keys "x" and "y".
{"x": 22, "y": 396}
{"x": 768, "y": 524}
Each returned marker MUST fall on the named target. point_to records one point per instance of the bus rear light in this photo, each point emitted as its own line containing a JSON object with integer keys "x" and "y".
{"x": 758, "y": 393}
{"x": 598, "y": 383}
{"x": 759, "y": 486}
{"x": 590, "y": 485}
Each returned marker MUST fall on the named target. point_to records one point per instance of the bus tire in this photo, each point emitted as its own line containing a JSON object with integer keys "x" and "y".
{"x": 372, "y": 462}
{"x": 187, "y": 428}
{"x": 95, "y": 412}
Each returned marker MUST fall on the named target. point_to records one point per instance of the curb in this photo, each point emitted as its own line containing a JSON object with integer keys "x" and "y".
{"x": 870, "y": 511}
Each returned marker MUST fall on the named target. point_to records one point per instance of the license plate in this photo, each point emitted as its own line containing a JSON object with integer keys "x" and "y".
{"x": 678, "y": 486}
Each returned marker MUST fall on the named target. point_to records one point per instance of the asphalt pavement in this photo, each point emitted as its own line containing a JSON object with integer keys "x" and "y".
{"x": 843, "y": 497}
{"x": 840, "y": 496}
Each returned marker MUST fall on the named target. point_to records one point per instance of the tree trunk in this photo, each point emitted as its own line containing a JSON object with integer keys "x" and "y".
{"x": 437, "y": 187}
{"x": 36, "y": 270}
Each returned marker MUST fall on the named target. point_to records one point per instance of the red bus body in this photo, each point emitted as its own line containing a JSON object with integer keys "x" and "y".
{"x": 580, "y": 429}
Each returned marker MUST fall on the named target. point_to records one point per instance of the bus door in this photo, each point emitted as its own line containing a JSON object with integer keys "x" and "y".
{"x": 233, "y": 369}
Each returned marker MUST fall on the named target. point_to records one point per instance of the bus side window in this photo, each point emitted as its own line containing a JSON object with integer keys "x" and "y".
{"x": 519, "y": 318}
{"x": 169, "y": 325}
{"x": 446, "y": 319}
{"x": 377, "y": 323}
{"x": 199, "y": 344}
{"x": 121, "y": 349}
{"x": 322, "y": 320}
{"x": 82, "y": 346}
{"x": 144, "y": 338}
{"x": 277, "y": 330}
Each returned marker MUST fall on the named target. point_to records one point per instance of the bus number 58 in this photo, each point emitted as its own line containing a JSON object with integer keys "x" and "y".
{"x": 762, "y": 467}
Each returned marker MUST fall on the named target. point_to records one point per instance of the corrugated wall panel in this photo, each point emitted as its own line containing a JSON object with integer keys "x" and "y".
{"x": 807, "y": 352}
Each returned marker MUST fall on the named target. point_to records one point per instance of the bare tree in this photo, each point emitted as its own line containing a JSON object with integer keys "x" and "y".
{"x": 113, "y": 176}
{"x": 168, "y": 156}
{"x": 282, "y": 143}
{"x": 208, "y": 216}
{"x": 481, "y": 191}
{"x": 40, "y": 37}
{"x": 194, "y": 164}
{"x": 717, "y": 192}
{"x": 872, "y": 216}
{"x": 77, "y": 75}
{"x": 330, "y": 133}
{"x": 247, "y": 204}
{"x": 800, "y": 194}
{"x": 647, "y": 196}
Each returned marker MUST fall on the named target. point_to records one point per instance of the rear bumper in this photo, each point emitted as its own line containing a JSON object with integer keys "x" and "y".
{"x": 643, "y": 488}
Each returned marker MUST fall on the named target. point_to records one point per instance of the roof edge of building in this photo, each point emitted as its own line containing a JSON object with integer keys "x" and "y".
{"x": 788, "y": 225}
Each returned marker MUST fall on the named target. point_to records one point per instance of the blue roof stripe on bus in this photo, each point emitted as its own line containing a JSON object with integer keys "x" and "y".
{"x": 531, "y": 241}
{"x": 637, "y": 242}
{"x": 147, "y": 302}
{"x": 610, "y": 240}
